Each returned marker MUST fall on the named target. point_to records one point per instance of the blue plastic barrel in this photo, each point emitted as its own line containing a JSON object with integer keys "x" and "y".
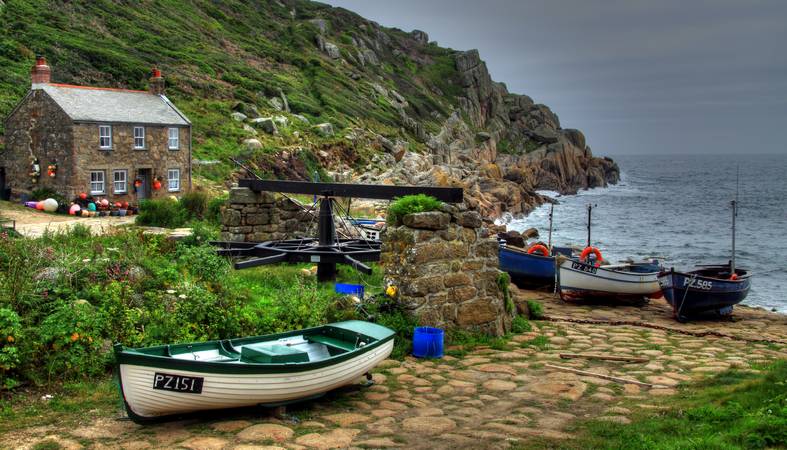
{"x": 349, "y": 289}
{"x": 428, "y": 342}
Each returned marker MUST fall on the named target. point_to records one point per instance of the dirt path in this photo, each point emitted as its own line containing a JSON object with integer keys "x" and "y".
{"x": 32, "y": 223}
{"x": 490, "y": 398}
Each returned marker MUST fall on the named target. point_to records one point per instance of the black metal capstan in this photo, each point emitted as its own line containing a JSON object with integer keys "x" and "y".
{"x": 327, "y": 250}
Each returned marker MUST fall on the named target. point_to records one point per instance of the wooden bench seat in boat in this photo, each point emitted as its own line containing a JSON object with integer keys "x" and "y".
{"x": 266, "y": 353}
{"x": 332, "y": 342}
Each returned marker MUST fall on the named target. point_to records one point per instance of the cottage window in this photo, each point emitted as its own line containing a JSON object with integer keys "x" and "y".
{"x": 105, "y": 136}
{"x": 120, "y": 181}
{"x": 173, "y": 179}
{"x": 97, "y": 182}
{"x": 139, "y": 137}
{"x": 174, "y": 138}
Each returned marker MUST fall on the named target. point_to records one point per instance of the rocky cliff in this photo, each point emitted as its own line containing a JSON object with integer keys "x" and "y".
{"x": 501, "y": 147}
{"x": 294, "y": 87}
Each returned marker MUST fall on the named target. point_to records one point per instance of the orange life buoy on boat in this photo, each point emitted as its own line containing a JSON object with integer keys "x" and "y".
{"x": 734, "y": 277}
{"x": 538, "y": 248}
{"x": 587, "y": 251}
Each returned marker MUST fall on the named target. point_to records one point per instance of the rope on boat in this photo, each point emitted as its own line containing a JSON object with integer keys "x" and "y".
{"x": 636, "y": 323}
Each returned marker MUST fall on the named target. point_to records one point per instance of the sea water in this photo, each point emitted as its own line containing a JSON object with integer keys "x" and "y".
{"x": 677, "y": 208}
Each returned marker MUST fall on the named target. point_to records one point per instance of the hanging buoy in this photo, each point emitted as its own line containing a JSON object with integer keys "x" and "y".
{"x": 587, "y": 251}
{"x": 734, "y": 277}
{"x": 538, "y": 248}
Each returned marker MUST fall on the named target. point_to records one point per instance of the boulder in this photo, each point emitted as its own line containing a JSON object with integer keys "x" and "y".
{"x": 252, "y": 144}
{"x": 247, "y": 109}
{"x": 513, "y": 238}
{"x": 324, "y": 129}
{"x": 276, "y": 103}
{"x": 238, "y": 116}
{"x": 368, "y": 56}
{"x": 530, "y": 233}
{"x": 281, "y": 121}
{"x": 332, "y": 50}
{"x": 432, "y": 220}
{"x": 420, "y": 36}
{"x": 575, "y": 137}
{"x": 266, "y": 124}
{"x": 301, "y": 118}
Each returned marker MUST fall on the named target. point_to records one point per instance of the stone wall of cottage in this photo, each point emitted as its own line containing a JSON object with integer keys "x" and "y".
{"x": 260, "y": 216}
{"x": 37, "y": 129}
{"x": 155, "y": 157}
{"x": 445, "y": 268}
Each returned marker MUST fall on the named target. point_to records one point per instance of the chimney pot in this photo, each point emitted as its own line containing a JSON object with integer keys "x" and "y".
{"x": 40, "y": 73}
{"x": 156, "y": 83}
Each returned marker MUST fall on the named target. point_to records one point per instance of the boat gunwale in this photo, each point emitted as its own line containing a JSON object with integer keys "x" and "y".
{"x": 741, "y": 278}
{"x": 525, "y": 253}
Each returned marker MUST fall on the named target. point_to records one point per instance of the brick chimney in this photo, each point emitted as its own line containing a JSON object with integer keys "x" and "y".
{"x": 40, "y": 73}
{"x": 156, "y": 84}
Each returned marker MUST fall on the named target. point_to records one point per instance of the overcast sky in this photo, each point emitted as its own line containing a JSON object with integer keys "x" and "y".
{"x": 661, "y": 76}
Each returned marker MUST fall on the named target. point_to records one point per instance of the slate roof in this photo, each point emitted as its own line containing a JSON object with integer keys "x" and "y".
{"x": 89, "y": 104}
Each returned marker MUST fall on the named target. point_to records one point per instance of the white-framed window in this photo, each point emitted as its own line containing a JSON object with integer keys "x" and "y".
{"x": 139, "y": 138}
{"x": 173, "y": 180}
{"x": 97, "y": 185}
{"x": 105, "y": 136}
{"x": 120, "y": 181}
{"x": 174, "y": 138}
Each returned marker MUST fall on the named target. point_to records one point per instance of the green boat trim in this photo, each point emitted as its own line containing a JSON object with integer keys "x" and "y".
{"x": 344, "y": 340}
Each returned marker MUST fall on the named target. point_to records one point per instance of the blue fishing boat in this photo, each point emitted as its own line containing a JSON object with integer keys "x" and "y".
{"x": 534, "y": 267}
{"x": 527, "y": 268}
{"x": 711, "y": 289}
{"x": 708, "y": 290}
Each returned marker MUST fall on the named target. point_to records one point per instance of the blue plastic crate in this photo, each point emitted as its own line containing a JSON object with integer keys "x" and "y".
{"x": 350, "y": 289}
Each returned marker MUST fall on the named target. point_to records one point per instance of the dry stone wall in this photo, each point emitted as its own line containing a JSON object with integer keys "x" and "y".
{"x": 445, "y": 267}
{"x": 260, "y": 216}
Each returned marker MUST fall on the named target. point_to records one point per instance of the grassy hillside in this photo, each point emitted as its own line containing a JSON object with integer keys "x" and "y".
{"x": 216, "y": 54}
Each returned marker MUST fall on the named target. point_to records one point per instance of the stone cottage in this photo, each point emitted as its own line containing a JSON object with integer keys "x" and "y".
{"x": 110, "y": 143}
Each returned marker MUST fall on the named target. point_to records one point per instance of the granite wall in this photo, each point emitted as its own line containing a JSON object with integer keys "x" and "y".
{"x": 445, "y": 267}
{"x": 262, "y": 216}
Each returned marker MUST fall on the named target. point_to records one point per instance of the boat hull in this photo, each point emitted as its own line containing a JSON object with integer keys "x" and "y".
{"x": 527, "y": 268}
{"x": 580, "y": 281}
{"x": 692, "y": 295}
{"x": 223, "y": 391}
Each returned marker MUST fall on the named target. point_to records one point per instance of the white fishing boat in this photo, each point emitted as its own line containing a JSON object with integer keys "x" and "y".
{"x": 578, "y": 280}
{"x": 587, "y": 279}
{"x": 171, "y": 380}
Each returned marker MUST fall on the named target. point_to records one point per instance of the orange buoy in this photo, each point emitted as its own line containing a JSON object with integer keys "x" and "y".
{"x": 587, "y": 251}
{"x": 734, "y": 277}
{"x": 538, "y": 248}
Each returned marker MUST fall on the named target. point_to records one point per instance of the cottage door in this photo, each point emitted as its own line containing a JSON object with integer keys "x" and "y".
{"x": 143, "y": 191}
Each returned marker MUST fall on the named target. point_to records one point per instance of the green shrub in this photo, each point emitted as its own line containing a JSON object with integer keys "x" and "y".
{"x": 520, "y": 325}
{"x": 411, "y": 204}
{"x": 10, "y": 334}
{"x": 536, "y": 309}
{"x": 203, "y": 263}
{"x": 196, "y": 203}
{"x": 71, "y": 337}
{"x": 213, "y": 214}
{"x": 201, "y": 233}
{"x": 192, "y": 313}
{"x": 165, "y": 213}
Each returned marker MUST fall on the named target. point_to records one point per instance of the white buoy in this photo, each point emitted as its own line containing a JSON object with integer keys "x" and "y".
{"x": 50, "y": 205}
